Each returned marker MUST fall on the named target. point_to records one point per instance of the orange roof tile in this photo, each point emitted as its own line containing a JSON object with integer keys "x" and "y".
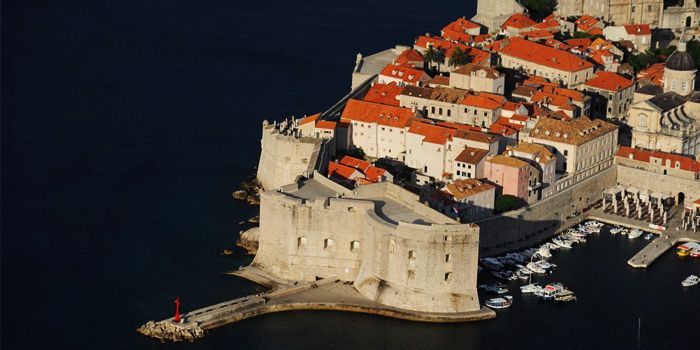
{"x": 463, "y": 188}
{"x": 471, "y": 155}
{"x": 544, "y": 55}
{"x": 480, "y": 102}
{"x": 353, "y": 162}
{"x": 609, "y": 81}
{"x": 507, "y": 161}
{"x": 654, "y": 74}
{"x": 580, "y": 43}
{"x": 575, "y": 131}
{"x": 369, "y": 112}
{"x": 373, "y": 173}
{"x": 638, "y": 29}
{"x": 585, "y": 23}
{"x": 408, "y": 56}
{"x": 432, "y": 133}
{"x": 342, "y": 171}
{"x": 519, "y": 21}
{"x": 596, "y": 31}
{"x": 408, "y": 74}
{"x": 549, "y": 24}
{"x": 557, "y": 44}
{"x": 537, "y": 34}
{"x": 642, "y": 155}
{"x": 477, "y": 56}
{"x": 384, "y": 93}
{"x": 308, "y": 119}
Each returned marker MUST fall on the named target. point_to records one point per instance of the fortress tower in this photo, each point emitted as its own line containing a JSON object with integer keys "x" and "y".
{"x": 492, "y": 14}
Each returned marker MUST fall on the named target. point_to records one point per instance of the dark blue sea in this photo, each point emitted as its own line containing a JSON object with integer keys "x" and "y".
{"x": 127, "y": 124}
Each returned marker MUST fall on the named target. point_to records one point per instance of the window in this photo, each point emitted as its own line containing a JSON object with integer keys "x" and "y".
{"x": 449, "y": 112}
{"x": 392, "y": 246}
{"x": 411, "y": 274}
{"x": 633, "y": 8}
{"x": 448, "y": 276}
{"x": 411, "y": 254}
{"x": 354, "y": 246}
{"x": 440, "y": 111}
{"x": 327, "y": 243}
{"x": 673, "y": 85}
{"x": 684, "y": 86}
{"x": 566, "y": 152}
{"x": 448, "y": 257}
{"x": 432, "y": 110}
{"x": 301, "y": 241}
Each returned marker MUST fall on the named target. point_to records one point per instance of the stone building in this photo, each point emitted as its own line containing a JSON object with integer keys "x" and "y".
{"x": 539, "y": 157}
{"x": 541, "y": 60}
{"x": 612, "y": 94}
{"x": 453, "y": 105}
{"x": 478, "y": 78}
{"x": 474, "y": 199}
{"x": 665, "y": 118}
{"x": 469, "y": 164}
{"x": 395, "y": 250}
{"x": 514, "y": 176}
{"x": 618, "y": 12}
{"x": 583, "y": 147}
{"x": 686, "y": 15}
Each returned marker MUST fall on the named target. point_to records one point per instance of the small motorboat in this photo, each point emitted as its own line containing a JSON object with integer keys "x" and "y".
{"x": 500, "y": 302}
{"x": 649, "y": 236}
{"x": 690, "y": 281}
{"x": 536, "y": 268}
{"x": 565, "y": 296}
{"x": 544, "y": 252}
{"x": 694, "y": 253}
{"x": 530, "y": 288}
{"x": 682, "y": 253}
{"x": 562, "y": 243}
{"x": 504, "y": 275}
{"x": 635, "y": 233}
{"x": 617, "y": 229}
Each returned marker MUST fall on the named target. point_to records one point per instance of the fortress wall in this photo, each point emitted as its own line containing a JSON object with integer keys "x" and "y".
{"x": 283, "y": 158}
{"x": 407, "y": 268}
{"x": 655, "y": 182}
{"x": 527, "y": 226}
{"x": 328, "y": 229}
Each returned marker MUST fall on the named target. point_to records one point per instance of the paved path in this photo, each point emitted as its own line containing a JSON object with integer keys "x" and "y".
{"x": 666, "y": 240}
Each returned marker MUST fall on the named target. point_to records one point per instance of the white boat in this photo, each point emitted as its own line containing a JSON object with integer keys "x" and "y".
{"x": 562, "y": 243}
{"x": 500, "y": 303}
{"x": 690, "y": 281}
{"x": 536, "y": 268}
{"x": 530, "y": 288}
{"x": 617, "y": 229}
{"x": 635, "y": 233}
{"x": 624, "y": 231}
{"x": 544, "y": 252}
{"x": 551, "y": 246}
{"x": 545, "y": 265}
{"x": 551, "y": 290}
{"x": 575, "y": 233}
{"x": 649, "y": 236}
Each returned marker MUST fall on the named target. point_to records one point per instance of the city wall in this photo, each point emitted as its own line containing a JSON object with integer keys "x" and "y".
{"x": 524, "y": 227}
{"x": 655, "y": 182}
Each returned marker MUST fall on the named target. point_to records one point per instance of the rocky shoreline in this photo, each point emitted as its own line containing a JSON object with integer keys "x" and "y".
{"x": 249, "y": 240}
{"x": 168, "y": 331}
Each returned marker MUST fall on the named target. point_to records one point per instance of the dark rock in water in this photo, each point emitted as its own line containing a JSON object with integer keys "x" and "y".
{"x": 254, "y": 220}
{"x": 240, "y": 194}
{"x": 227, "y": 252}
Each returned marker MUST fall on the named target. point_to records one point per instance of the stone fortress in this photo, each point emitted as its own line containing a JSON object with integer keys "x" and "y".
{"x": 395, "y": 250}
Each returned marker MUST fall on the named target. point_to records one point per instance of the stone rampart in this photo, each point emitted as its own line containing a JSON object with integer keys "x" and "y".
{"x": 657, "y": 182}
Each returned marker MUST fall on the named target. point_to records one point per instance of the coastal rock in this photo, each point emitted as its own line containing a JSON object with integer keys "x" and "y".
{"x": 226, "y": 252}
{"x": 240, "y": 194}
{"x": 249, "y": 240}
{"x": 169, "y": 331}
{"x": 253, "y": 200}
{"x": 254, "y": 220}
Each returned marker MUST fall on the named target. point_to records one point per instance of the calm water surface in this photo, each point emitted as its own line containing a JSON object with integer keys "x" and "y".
{"x": 125, "y": 126}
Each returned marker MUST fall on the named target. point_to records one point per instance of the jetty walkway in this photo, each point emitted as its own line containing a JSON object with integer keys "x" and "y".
{"x": 666, "y": 239}
{"x": 326, "y": 294}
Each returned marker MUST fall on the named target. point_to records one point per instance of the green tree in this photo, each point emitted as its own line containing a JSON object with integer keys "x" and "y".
{"x": 507, "y": 202}
{"x": 459, "y": 57}
{"x": 431, "y": 55}
{"x": 539, "y": 9}
{"x": 693, "y": 48}
{"x": 581, "y": 35}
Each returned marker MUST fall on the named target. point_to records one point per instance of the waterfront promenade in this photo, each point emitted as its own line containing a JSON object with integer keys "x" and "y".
{"x": 664, "y": 241}
{"x": 327, "y": 294}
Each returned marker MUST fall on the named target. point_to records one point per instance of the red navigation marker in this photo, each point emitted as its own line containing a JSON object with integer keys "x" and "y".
{"x": 177, "y": 309}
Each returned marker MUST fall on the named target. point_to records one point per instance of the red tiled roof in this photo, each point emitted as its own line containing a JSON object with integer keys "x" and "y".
{"x": 520, "y": 118}
{"x": 369, "y": 112}
{"x": 549, "y": 24}
{"x": 654, "y": 74}
{"x": 599, "y": 56}
{"x": 308, "y": 119}
{"x": 432, "y": 133}
{"x": 581, "y": 43}
{"x": 609, "y": 81}
{"x": 596, "y": 31}
{"x": 642, "y": 155}
{"x": 481, "y": 38}
{"x": 342, "y": 171}
{"x": 544, "y": 55}
{"x": 325, "y": 124}
{"x": 574, "y": 95}
{"x": 477, "y": 56}
{"x": 480, "y": 101}
{"x": 638, "y": 29}
{"x": 384, "y": 93}
{"x": 408, "y": 56}
{"x": 562, "y": 102}
{"x": 406, "y": 73}
{"x": 353, "y": 162}
{"x": 373, "y": 173}
{"x": 585, "y": 23}
{"x": 471, "y": 155}
{"x": 519, "y": 21}
{"x": 537, "y": 34}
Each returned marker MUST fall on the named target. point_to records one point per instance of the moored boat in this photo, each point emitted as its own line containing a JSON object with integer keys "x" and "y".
{"x": 682, "y": 253}
{"x": 551, "y": 290}
{"x": 635, "y": 233}
{"x": 530, "y": 288}
{"x": 500, "y": 303}
{"x": 565, "y": 296}
{"x": 690, "y": 281}
{"x": 649, "y": 236}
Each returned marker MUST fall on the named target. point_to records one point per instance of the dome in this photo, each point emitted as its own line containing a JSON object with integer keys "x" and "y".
{"x": 680, "y": 60}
